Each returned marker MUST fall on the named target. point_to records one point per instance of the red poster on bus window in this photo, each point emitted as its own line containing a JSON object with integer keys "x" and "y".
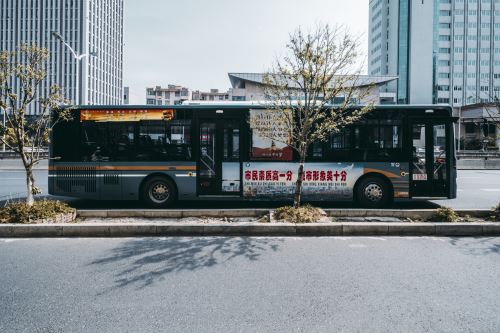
{"x": 269, "y": 137}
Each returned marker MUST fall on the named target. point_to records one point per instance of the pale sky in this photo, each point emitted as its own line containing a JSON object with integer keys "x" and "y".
{"x": 195, "y": 43}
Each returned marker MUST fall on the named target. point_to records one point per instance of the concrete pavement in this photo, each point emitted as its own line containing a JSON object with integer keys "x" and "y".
{"x": 252, "y": 284}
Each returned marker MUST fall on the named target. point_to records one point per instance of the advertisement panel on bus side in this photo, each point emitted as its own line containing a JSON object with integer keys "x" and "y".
{"x": 321, "y": 181}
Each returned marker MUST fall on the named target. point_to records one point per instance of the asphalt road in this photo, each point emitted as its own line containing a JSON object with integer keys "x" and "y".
{"x": 250, "y": 285}
{"x": 13, "y": 183}
{"x": 477, "y": 189}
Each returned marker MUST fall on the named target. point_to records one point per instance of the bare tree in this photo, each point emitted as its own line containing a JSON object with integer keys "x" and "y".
{"x": 21, "y": 75}
{"x": 302, "y": 85}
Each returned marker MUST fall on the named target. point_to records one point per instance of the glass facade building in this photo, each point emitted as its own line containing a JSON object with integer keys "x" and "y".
{"x": 461, "y": 63}
{"x": 89, "y": 27}
{"x": 403, "y": 51}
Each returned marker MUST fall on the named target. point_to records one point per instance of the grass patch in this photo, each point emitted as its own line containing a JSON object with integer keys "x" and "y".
{"x": 303, "y": 214}
{"x": 19, "y": 212}
{"x": 444, "y": 214}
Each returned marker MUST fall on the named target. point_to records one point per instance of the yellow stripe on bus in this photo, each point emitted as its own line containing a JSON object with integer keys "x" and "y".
{"x": 385, "y": 173}
{"x": 127, "y": 168}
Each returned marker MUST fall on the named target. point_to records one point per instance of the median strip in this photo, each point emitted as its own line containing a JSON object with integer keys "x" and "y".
{"x": 250, "y": 212}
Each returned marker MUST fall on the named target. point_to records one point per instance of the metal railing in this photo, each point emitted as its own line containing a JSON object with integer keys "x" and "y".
{"x": 9, "y": 154}
{"x": 478, "y": 154}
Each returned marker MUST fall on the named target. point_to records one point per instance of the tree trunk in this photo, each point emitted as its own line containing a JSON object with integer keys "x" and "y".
{"x": 298, "y": 184}
{"x": 30, "y": 184}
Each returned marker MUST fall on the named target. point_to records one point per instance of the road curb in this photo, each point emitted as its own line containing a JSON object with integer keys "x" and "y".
{"x": 170, "y": 213}
{"x": 250, "y": 212}
{"x": 250, "y": 229}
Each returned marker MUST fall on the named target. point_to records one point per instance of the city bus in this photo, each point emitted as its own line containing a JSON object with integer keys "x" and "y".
{"x": 162, "y": 154}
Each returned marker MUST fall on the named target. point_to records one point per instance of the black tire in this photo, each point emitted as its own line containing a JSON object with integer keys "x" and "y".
{"x": 159, "y": 192}
{"x": 373, "y": 192}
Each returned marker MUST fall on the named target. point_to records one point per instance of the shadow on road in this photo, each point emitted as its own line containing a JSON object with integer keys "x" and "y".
{"x": 477, "y": 246}
{"x": 143, "y": 262}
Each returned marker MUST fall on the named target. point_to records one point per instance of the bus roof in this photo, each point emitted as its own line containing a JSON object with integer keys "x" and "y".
{"x": 247, "y": 105}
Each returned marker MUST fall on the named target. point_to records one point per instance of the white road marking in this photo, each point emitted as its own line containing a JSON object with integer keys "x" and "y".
{"x": 491, "y": 189}
{"x": 357, "y": 246}
{"x": 377, "y": 238}
{"x": 11, "y": 240}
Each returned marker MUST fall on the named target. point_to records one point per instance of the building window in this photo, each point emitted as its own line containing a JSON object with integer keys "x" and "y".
{"x": 470, "y": 128}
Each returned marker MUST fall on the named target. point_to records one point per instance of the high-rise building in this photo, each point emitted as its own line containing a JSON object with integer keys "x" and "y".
{"x": 443, "y": 51}
{"x": 93, "y": 28}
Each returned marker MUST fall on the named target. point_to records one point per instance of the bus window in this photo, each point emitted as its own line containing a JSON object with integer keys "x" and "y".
{"x": 341, "y": 140}
{"x": 164, "y": 141}
{"x": 338, "y": 147}
{"x": 120, "y": 142}
{"x": 418, "y": 154}
{"x": 65, "y": 146}
{"x": 315, "y": 152}
{"x": 92, "y": 141}
{"x": 231, "y": 142}
{"x": 439, "y": 132}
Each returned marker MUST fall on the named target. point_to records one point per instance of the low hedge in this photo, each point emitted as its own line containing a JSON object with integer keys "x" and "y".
{"x": 444, "y": 214}
{"x": 303, "y": 214}
{"x": 496, "y": 213}
{"x": 19, "y": 212}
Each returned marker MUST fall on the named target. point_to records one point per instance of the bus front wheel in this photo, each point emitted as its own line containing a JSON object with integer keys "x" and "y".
{"x": 159, "y": 192}
{"x": 373, "y": 192}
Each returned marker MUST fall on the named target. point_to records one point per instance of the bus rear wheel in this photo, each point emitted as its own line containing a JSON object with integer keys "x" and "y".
{"x": 373, "y": 192}
{"x": 159, "y": 192}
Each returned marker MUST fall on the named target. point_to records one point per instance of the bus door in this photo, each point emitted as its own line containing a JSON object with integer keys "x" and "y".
{"x": 219, "y": 165}
{"x": 430, "y": 163}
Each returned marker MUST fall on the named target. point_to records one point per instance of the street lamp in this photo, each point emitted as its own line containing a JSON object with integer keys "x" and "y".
{"x": 78, "y": 58}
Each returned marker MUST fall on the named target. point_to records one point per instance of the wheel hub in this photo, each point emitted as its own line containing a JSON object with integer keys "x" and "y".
{"x": 160, "y": 192}
{"x": 373, "y": 192}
